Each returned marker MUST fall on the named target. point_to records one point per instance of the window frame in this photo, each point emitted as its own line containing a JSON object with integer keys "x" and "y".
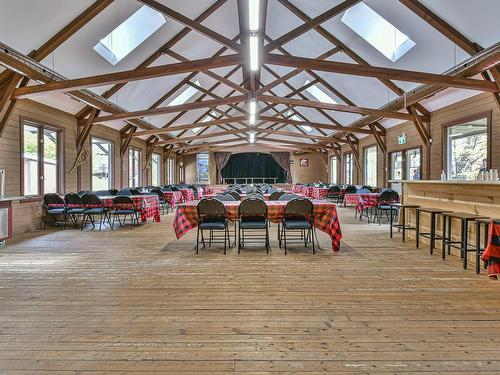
{"x": 170, "y": 172}
{"x": 461, "y": 121}
{"x": 208, "y": 168}
{"x": 404, "y": 165}
{"x": 112, "y": 162}
{"x": 351, "y": 157}
{"x": 375, "y": 146}
{"x": 42, "y": 125}
{"x": 139, "y": 165}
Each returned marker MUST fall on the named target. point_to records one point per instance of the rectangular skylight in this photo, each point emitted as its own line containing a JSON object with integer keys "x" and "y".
{"x": 184, "y": 96}
{"x": 377, "y": 31}
{"x": 307, "y": 128}
{"x": 319, "y": 94}
{"x": 129, "y": 34}
{"x": 206, "y": 119}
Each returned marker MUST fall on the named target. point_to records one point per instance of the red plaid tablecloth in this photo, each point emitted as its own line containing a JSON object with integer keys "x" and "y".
{"x": 320, "y": 193}
{"x": 369, "y": 200}
{"x": 199, "y": 192}
{"x": 207, "y": 190}
{"x": 308, "y": 191}
{"x": 325, "y": 217}
{"x": 173, "y": 198}
{"x": 188, "y": 194}
{"x": 148, "y": 204}
{"x": 297, "y": 189}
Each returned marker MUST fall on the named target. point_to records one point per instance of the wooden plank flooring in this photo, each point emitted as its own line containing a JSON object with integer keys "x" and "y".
{"x": 140, "y": 302}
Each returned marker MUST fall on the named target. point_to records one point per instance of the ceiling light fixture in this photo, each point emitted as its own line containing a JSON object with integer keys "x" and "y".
{"x": 254, "y": 52}
{"x": 252, "y": 106}
{"x": 253, "y": 13}
{"x": 251, "y": 137}
{"x": 252, "y": 120}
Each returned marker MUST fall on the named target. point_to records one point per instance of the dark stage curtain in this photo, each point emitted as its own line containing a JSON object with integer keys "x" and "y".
{"x": 253, "y": 164}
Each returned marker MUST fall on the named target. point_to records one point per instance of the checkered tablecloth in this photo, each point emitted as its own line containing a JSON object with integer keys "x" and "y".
{"x": 325, "y": 217}
{"x": 173, "y": 198}
{"x": 320, "y": 193}
{"x": 368, "y": 201}
{"x": 188, "y": 194}
{"x": 148, "y": 204}
{"x": 207, "y": 190}
{"x": 297, "y": 189}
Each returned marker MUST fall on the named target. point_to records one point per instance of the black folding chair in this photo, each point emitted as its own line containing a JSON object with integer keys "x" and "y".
{"x": 333, "y": 193}
{"x": 276, "y": 195}
{"x": 288, "y": 197}
{"x": 234, "y": 194}
{"x": 56, "y": 208}
{"x": 93, "y": 207}
{"x": 298, "y": 218}
{"x": 212, "y": 217}
{"x": 124, "y": 192}
{"x": 252, "y": 214}
{"x": 75, "y": 208}
{"x": 385, "y": 198}
{"x": 161, "y": 198}
{"x": 124, "y": 206}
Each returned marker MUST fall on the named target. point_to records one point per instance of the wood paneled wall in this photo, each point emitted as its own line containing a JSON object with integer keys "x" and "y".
{"x": 431, "y": 159}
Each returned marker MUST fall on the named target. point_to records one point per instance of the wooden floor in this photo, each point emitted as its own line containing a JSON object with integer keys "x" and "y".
{"x": 140, "y": 302}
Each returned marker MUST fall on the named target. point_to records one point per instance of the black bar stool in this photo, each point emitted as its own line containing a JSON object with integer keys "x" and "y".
{"x": 464, "y": 218}
{"x": 401, "y": 208}
{"x": 485, "y": 223}
{"x": 432, "y": 234}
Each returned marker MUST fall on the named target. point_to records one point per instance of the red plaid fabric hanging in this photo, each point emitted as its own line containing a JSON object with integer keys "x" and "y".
{"x": 492, "y": 252}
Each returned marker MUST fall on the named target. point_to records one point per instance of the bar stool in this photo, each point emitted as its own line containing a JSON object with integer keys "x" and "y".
{"x": 401, "y": 208}
{"x": 485, "y": 223}
{"x": 432, "y": 234}
{"x": 465, "y": 218}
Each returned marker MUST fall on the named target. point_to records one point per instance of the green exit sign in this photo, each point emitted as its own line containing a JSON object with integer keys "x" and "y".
{"x": 402, "y": 139}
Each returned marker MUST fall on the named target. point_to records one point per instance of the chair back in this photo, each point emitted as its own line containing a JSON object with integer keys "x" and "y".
{"x": 175, "y": 188}
{"x": 350, "y": 189}
{"x": 73, "y": 200}
{"x": 388, "y": 196}
{"x": 101, "y": 193}
{"x": 252, "y": 209}
{"x": 256, "y": 195}
{"x": 160, "y": 194}
{"x": 83, "y": 192}
{"x": 123, "y": 202}
{"x": 53, "y": 200}
{"x": 299, "y": 209}
{"x": 335, "y": 189}
{"x": 92, "y": 201}
{"x": 234, "y": 194}
{"x": 124, "y": 192}
{"x": 225, "y": 198}
{"x": 210, "y": 209}
{"x": 363, "y": 191}
{"x": 135, "y": 191}
{"x": 288, "y": 197}
{"x": 113, "y": 191}
{"x": 276, "y": 195}
{"x": 367, "y": 187}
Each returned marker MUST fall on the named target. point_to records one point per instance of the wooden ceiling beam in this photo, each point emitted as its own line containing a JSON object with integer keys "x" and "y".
{"x": 310, "y": 24}
{"x": 186, "y": 21}
{"x": 155, "y": 55}
{"x": 128, "y": 76}
{"x": 204, "y": 136}
{"x": 172, "y": 109}
{"x": 336, "y": 107}
{"x": 206, "y": 124}
{"x": 377, "y": 72}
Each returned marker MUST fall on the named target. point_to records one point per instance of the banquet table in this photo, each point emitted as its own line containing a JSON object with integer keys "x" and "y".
{"x": 148, "y": 204}
{"x": 188, "y": 194}
{"x": 297, "y": 189}
{"x": 173, "y": 198}
{"x": 319, "y": 193}
{"x": 324, "y": 214}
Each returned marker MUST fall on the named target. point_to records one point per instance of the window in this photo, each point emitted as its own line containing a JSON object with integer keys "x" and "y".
{"x": 370, "y": 167}
{"x": 333, "y": 169}
{"x": 467, "y": 149}
{"x": 412, "y": 161}
{"x": 348, "y": 168}
{"x": 293, "y": 117}
{"x": 134, "y": 159}
{"x": 41, "y": 159}
{"x": 377, "y": 31}
{"x": 155, "y": 169}
{"x": 130, "y": 34}
{"x": 102, "y": 158}
{"x": 202, "y": 168}
{"x": 184, "y": 96}
{"x": 397, "y": 165}
{"x": 319, "y": 94}
{"x": 181, "y": 174}
{"x": 170, "y": 171}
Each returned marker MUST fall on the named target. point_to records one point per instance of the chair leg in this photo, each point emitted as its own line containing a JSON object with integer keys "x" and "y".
{"x": 444, "y": 239}
{"x": 100, "y": 222}
{"x": 284, "y": 237}
{"x": 478, "y": 248}
{"x": 239, "y": 239}
{"x": 226, "y": 234}
{"x": 197, "y": 239}
{"x": 267, "y": 239}
{"x": 313, "y": 240}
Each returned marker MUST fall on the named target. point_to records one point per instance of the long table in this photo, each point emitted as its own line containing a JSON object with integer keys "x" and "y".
{"x": 147, "y": 203}
{"x": 324, "y": 214}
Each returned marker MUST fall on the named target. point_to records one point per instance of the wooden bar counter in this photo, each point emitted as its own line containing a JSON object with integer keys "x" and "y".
{"x": 475, "y": 197}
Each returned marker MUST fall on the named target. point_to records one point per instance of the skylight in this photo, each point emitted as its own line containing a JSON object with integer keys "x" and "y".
{"x": 129, "y": 34}
{"x": 205, "y": 119}
{"x": 319, "y": 94}
{"x": 185, "y": 95}
{"x": 377, "y": 31}
{"x": 307, "y": 128}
